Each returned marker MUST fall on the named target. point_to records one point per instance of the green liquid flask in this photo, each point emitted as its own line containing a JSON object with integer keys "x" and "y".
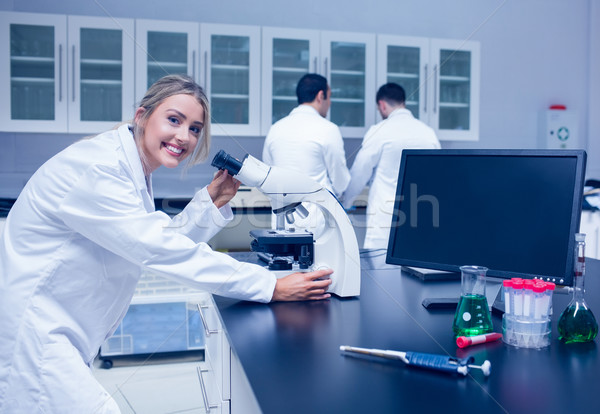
{"x": 577, "y": 323}
{"x": 472, "y": 315}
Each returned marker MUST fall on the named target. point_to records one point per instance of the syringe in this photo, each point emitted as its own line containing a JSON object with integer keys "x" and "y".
{"x": 430, "y": 361}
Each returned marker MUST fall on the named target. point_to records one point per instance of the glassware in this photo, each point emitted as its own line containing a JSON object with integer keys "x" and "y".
{"x": 577, "y": 323}
{"x": 472, "y": 314}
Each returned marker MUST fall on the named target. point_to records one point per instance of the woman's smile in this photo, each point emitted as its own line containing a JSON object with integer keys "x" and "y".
{"x": 173, "y": 149}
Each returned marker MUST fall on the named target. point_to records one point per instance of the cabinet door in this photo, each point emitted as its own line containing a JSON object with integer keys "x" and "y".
{"x": 349, "y": 66}
{"x": 405, "y": 61}
{"x": 101, "y": 64}
{"x": 231, "y": 75}
{"x": 455, "y": 89}
{"x": 287, "y": 55}
{"x": 163, "y": 48}
{"x": 33, "y": 72}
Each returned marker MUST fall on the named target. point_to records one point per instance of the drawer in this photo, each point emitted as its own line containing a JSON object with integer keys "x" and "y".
{"x": 217, "y": 351}
{"x": 210, "y": 393}
{"x": 186, "y": 387}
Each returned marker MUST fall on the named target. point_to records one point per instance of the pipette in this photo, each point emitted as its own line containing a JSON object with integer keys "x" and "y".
{"x": 430, "y": 361}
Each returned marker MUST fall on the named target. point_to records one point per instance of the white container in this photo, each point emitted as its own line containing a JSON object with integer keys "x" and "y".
{"x": 521, "y": 333}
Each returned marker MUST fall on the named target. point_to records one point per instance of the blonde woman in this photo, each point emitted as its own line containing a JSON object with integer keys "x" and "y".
{"x": 83, "y": 229}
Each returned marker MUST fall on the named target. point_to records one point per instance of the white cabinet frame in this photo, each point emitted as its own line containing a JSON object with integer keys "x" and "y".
{"x": 269, "y": 34}
{"x": 126, "y": 26}
{"x": 252, "y": 128}
{"x": 142, "y": 58}
{"x": 59, "y": 25}
{"x": 369, "y": 41}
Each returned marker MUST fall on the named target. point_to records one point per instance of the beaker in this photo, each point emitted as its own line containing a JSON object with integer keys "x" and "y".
{"x": 472, "y": 314}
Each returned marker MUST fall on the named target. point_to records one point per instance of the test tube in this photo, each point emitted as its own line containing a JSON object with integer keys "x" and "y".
{"x": 539, "y": 299}
{"x": 549, "y": 291}
{"x": 528, "y": 299}
{"x": 517, "y": 287}
{"x": 507, "y": 286}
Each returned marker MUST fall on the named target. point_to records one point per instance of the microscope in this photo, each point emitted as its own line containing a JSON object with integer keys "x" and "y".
{"x": 291, "y": 250}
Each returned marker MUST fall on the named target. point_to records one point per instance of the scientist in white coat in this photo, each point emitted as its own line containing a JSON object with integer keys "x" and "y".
{"x": 378, "y": 161}
{"x": 83, "y": 229}
{"x": 307, "y": 142}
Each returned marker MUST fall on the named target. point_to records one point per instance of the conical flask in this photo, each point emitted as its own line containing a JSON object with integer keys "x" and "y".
{"x": 577, "y": 322}
{"x": 472, "y": 315}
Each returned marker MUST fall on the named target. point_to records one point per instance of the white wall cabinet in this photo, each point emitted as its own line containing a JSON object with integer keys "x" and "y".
{"x": 164, "y": 48}
{"x": 101, "y": 72}
{"x": 77, "y": 74}
{"x": 441, "y": 79}
{"x": 65, "y": 74}
{"x": 349, "y": 66}
{"x": 287, "y": 55}
{"x": 347, "y": 60}
{"x": 230, "y": 70}
{"x": 33, "y": 72}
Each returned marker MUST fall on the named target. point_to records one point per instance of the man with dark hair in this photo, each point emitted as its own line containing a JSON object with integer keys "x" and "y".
{"x": 309, "y": 86}
{"x": 378, "y": 161}
{"x": 306, "y": 141}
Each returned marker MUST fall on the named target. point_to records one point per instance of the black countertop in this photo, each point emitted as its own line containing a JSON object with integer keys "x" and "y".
{"x": 290, "y": 354}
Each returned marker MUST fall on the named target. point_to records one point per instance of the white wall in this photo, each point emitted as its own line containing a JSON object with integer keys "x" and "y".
{"x": 593, "y": 118}
{"x": 534, "y": 53}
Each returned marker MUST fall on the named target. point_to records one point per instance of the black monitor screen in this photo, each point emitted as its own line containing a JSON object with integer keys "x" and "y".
{"x": 512, "y": 211}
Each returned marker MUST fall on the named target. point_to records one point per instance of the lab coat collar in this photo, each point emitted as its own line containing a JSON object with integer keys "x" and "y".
{"x": 133, "y": 157}
{"x": 401, "y": 112}
{"x": 306, "y": 109}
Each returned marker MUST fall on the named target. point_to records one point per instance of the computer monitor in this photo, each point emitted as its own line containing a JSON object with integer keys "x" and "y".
{"x": 513, "y": 211}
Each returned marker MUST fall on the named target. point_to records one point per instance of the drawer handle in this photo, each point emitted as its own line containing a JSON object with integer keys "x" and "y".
{"x": 207, "y": 330}
{"x": 203, "y": 390}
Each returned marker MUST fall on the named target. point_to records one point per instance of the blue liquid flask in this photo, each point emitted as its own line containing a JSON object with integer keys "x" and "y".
{"x": 472, "y": 315}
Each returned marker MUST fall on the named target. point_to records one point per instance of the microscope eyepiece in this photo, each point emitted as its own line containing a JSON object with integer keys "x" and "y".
{"x": 224, "y": 161}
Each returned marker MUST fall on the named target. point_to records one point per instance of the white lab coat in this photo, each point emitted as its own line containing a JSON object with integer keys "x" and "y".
{"x": 71, "y": 253}
{"x": 306, "y": 142}
{"x": 378, "y": 162}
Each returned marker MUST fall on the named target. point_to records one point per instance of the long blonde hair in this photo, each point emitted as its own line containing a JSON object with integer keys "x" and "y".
{"x": 162, "y": 89}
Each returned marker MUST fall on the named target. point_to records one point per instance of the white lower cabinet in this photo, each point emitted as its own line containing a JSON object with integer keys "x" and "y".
{"x": 233, "y": 392}
{"x": 243, "y": 400}
{"x": 180, "y": 383}
{"x": 217, "y": 353}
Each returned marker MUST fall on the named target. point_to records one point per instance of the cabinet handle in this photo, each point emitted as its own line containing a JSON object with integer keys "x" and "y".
{"x": 207, "y": 330}
{"x": 435, "y": 88}
{"x": 59, "y": 73}
{"x": 73, "y": 67}
{"x": 194, "y": 65}
{"x": 425, "y": 83}
{"x": 315, "y": 65}
{"x": 203, "y": 390}
{"x": 325, "y": 68}
{"x": 205, "y": 70}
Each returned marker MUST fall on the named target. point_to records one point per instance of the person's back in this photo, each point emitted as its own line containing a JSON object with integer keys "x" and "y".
{"x": 398, "y": 132}
{"x": 305, "y": 141}
{"x": 378, "y": 161}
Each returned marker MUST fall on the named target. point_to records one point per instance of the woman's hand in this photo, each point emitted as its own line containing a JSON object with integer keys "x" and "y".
{"x": 303, "y": 286}
{"x": 222, "y": 188}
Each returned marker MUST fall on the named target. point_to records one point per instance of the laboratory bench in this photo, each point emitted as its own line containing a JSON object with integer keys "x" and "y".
{"x": 285, "y": 357}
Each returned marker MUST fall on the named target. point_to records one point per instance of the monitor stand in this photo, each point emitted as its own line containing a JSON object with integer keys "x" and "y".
{"x": 430, "y": 274}
{"x": 493, "y": 293}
